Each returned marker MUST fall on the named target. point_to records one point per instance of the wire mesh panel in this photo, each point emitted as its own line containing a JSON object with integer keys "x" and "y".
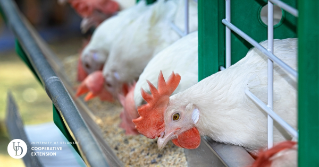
{"x": 245, "y": 15}
{"x": 270, "y": 71}
{"x": 248, "y": 29}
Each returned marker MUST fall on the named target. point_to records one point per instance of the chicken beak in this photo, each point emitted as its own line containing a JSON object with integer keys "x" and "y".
{"x": 89, "y": 96}
{"x": 82, "y": 89}
{"x": 162, "y": 141}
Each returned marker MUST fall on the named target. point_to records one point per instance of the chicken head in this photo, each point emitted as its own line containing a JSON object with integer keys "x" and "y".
{"x": 158, "y": 119}
{"x": 86, "y": 7}
{"x": 93, "y": 12}
{"x": 94, "y": 86}
{"x": 92, "y": 61}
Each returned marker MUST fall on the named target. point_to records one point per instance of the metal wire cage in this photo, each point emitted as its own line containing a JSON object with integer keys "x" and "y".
{"x": 217, "y": 41}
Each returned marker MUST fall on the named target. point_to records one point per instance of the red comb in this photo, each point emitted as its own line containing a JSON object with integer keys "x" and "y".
{"x": 86, "y": 7}
{"x": 151, "y": 120}
{"x": 263, "y": 158}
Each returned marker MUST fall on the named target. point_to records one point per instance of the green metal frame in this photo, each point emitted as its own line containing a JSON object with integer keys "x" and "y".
{"x": 308, "y": 83}
{"x": 211, "y": 33}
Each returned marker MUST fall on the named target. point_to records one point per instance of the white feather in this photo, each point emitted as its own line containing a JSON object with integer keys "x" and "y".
{"x": 181, "y": 57}
{"x": 148, "y": 35}
{"x": 105, "y": 34}
{"x": 195, "y": 115}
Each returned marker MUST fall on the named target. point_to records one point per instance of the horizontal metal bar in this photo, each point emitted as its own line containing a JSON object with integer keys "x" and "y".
{"x": 270, "y": 112}
{"x": 286, "y": 7}
{"x": 85, "y": 112}
{"x": 91, "y": 153}
{"x": 261, "y": 48}
{"x": 230, "y": 155}
{"x": 177, "y": 30}
{"x": 203, "y": 156}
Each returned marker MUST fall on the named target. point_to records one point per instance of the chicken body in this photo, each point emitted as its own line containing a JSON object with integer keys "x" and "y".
{"x": 180, "y": 57}
{"x": 137, "y": 42}
{"x": 218, "y": 106}
{"x": 142, "y": 40}
{"x": 97, "y": 51}
{"x": 125, "y": 4}
{"x": 227, "y": 114}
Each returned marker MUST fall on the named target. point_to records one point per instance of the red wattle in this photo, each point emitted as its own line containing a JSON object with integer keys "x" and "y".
{"x": 190, "y": 139}
{"x": 106, "y": 96}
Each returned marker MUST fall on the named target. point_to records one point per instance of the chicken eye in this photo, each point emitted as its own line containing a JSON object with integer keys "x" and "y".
{"x": 176, "y": 117}
{"x": 87, "y": 65}
{"x": 108, "y": 85}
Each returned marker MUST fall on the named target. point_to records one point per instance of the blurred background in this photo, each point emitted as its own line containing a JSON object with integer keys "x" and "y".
{"x": 59, "y": 27}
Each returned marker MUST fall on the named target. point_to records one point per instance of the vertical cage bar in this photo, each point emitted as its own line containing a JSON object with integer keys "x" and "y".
{"x": 228, "y": 35}
{"x": 270, "y": 70}
{"x": 308, "y": 83}
{"x": 186, "y": 17}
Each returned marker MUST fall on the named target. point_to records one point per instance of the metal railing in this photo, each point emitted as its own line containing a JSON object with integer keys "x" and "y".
{"x": 87, "y": 145}
{"x": 186, "y": 23}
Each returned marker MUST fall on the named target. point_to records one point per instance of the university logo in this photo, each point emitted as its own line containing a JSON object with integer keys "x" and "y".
{"x": 17, "y": 148}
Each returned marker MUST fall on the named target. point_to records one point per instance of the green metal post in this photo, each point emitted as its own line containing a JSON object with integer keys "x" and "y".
{"x": 148, "y": 2}
{"x": 59, "y": 123}
{"x": 25, "y": 59}
{"x": 209, "y": 15}
{"x": 308, "y": 83}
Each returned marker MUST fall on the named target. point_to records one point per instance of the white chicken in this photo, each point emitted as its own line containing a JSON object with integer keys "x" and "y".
{"x": 180, "y": 57}
{"x": 218, "y": 106}
{"x": 97, "y": 51}
{"x": 139, "y": 42}
{"x": 142, "y": 40}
